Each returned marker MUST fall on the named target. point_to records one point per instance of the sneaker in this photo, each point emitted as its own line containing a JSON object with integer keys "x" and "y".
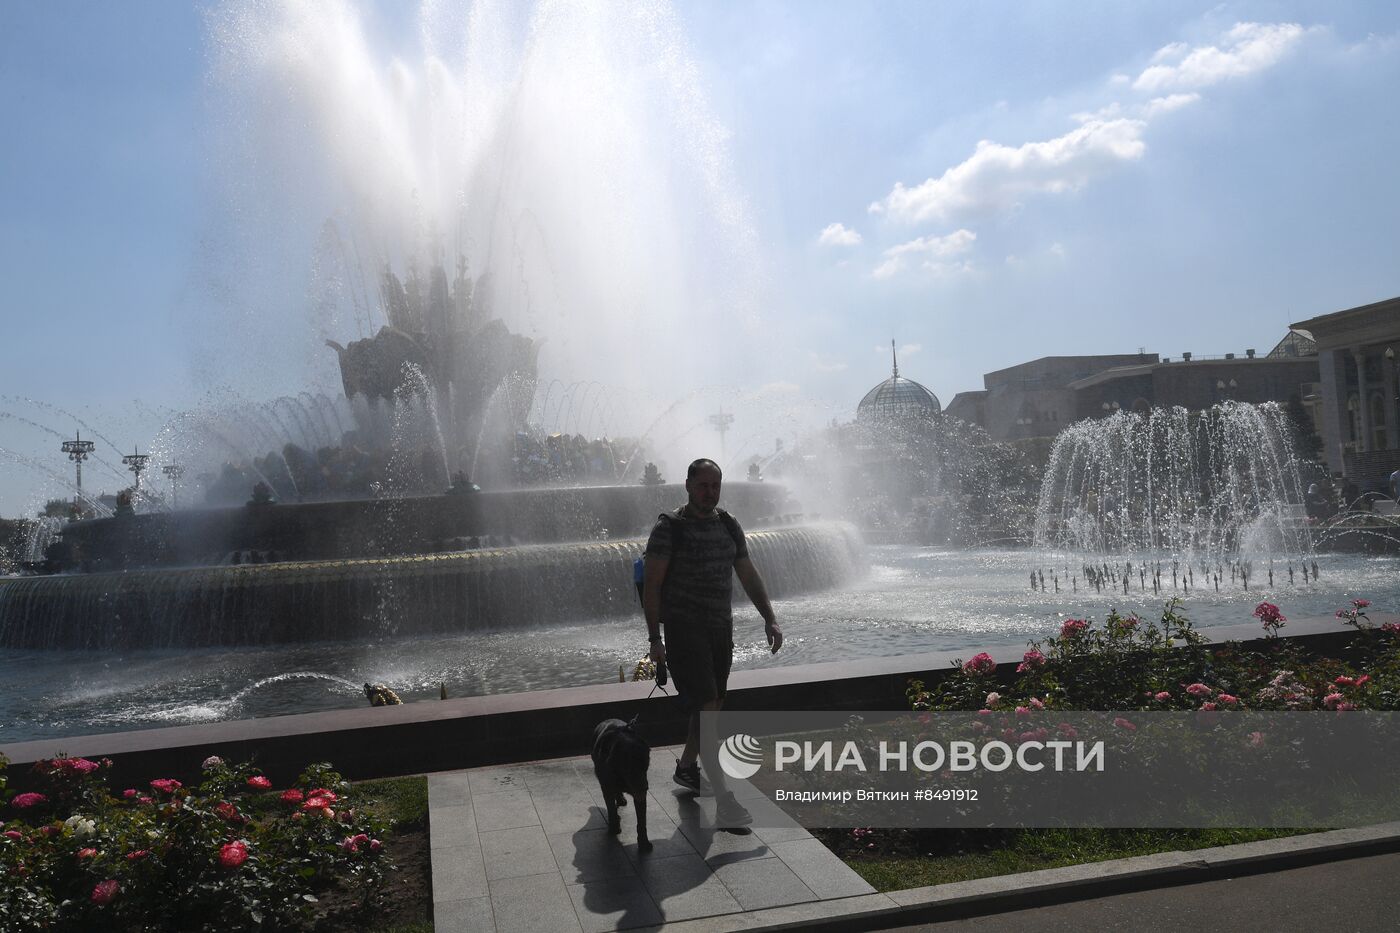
{"x": 730, "y": 814}
{"x": 688, "y": 777}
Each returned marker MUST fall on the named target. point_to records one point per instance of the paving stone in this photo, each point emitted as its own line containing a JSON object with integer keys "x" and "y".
{"x": 719, "y": 847}
{"x": 472, "y": 915}
{"x": 614, "y": 904}
{"x": 684, "y": 887}
{"x": 452, "y": 826}
{"x": 820, "y": 869}
{"x": 496, "y": 780}
{"x": 568, "y": 810}
{"x": 590, "y": 855}
{"x": 458, "y": 873}
{"x": 515, "y": 853}
{"x": 533, "y": 904}
{"x": 772, "y": 824}
{"x": 551, "y": 776}
{"x": 506, "y": 810}
{"x": 448, "y": 790}
{"x": 761, "y": 883}
{"x": 667, "y": 841}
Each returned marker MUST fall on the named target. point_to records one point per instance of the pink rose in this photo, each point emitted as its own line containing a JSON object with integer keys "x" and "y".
{"x": 375, "y": 845}
{"x": 1228, "y": 700}
{"x": 981, "y": 664}
{"x": 1023, "y": 711}
{"x": 1361, "y": 681}
{"x": 104, "y": 892}
{"x": 13, "y": 834}
{"x": 292, "y": 795}
{"x": 1332, "y": 700}
{"x": 130, "y": 792}
{"x": 1073, "y": 628}
{"x": 1361, "y": 603}
{"x": 1030, "y": 661}
{"x": 259, "y": 782}
{"x": 1210, "y": 707}
{"x": 226, "y": 810}
{"x": 86, "y": 853}
{"x": 25, "y": 801}
{"x": 137, "y": 855}
{"x": 993, "y": 699}
{"x": 1345, "y": 681}
{"x": 1199, "y": 690}
{"x": 166, "y": 785}
{"x": 233, "y": 854}
{"x": 1162, "y": 697}
{"x": 1122, "y": 723}
{"x": 321, "y": 792}
{"x": 1036, "y": 704}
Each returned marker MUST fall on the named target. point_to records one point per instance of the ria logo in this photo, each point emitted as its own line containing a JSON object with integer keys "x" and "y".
{"x": 740, "y": 756}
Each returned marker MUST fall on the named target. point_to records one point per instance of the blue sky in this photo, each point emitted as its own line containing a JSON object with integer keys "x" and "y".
{"x": 986, "y": 183}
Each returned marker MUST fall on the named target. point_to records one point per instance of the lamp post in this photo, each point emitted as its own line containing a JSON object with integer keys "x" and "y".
{"x": 77, "y": 450}
{"x": 136, "y": 462}
{"x": 721, "y": 422}
{"x": 173, "y": 472}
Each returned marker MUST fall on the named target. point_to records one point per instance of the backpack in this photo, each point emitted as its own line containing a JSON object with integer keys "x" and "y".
{"x": 639, "y": 565}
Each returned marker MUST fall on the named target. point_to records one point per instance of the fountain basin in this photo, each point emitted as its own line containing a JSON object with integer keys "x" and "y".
{"x": 418, "y": 594}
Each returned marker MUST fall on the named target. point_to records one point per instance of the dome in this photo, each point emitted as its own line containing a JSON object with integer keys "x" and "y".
{"x": 897, "y": 399}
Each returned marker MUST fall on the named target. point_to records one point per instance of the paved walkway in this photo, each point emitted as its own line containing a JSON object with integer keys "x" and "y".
{"x": 525, "y": 848}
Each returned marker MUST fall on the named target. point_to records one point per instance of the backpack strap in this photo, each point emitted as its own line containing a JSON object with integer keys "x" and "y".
{"x": 731, "y": 525}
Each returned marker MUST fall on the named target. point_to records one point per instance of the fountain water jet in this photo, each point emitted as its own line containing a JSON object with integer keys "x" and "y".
{"x": 1213, "y": 485}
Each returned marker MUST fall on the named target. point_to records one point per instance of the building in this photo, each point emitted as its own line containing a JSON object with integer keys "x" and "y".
{"x": 1359, "y": 391}
{"x": 1197, "y": 383}
{"x": 1034, "y": 399}
{"x": 1042, "y": 397}
{"x": 897, "y": 399}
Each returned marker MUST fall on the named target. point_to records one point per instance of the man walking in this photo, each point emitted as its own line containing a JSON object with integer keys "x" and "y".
{"x": 691, "y": 558}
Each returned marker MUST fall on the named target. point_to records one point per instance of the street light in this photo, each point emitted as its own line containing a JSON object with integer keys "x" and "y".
{"x": 721, "y": 422}
{"x": 136, "y": 462}
{"x": 173, "y": 472}
{"x": 77, "y": 451}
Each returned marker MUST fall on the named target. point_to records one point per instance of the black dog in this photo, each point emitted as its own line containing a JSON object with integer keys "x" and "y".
{"x": 620, "y": 760}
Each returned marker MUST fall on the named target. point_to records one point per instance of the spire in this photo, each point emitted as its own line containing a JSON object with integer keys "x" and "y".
{"x": 895, "y": 358}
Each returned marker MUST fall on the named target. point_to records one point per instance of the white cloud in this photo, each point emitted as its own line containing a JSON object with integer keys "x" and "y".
{"x": 838, "y": 234}
{"x": 996, "y": 177}
{"x": 823, "y": 365}
{"x": 1170, "y": 52}
{"x": 932, "y": 252}
{"x": 1158, "y": 105}
{"x": 1247, "y": 48}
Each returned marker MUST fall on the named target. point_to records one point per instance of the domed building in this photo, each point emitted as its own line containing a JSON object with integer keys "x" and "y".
{"x": 897, "y": 399}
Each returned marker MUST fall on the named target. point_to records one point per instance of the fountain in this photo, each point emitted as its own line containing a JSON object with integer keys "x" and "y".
{"x": 1210, "y": 486}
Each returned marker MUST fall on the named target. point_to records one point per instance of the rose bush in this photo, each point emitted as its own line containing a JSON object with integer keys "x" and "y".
{"x": 1129, "y": 664}
{"x": 226, "y": 855}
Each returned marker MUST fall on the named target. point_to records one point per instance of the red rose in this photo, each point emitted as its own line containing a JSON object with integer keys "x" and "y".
{"x": 137, "y": 855}
{"x": 105, "y": 891}
{"x": 259, "y": 782}
{"x": 292, "y": 795}
{"x": 166, "y": 785}
{"x": 233, "y": 854}
{"x": 226, "y": 810}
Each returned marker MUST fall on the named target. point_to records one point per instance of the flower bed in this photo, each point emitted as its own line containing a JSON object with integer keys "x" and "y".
{"x": 233, "y": 853}
{"x": 1126, "y": 664}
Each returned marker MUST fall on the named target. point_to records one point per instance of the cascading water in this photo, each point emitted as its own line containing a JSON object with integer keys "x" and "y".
{"x": 1212, "y": 485}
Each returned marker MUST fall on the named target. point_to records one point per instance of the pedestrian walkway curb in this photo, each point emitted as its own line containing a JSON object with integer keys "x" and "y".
{"x": 1057, "y": 885}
